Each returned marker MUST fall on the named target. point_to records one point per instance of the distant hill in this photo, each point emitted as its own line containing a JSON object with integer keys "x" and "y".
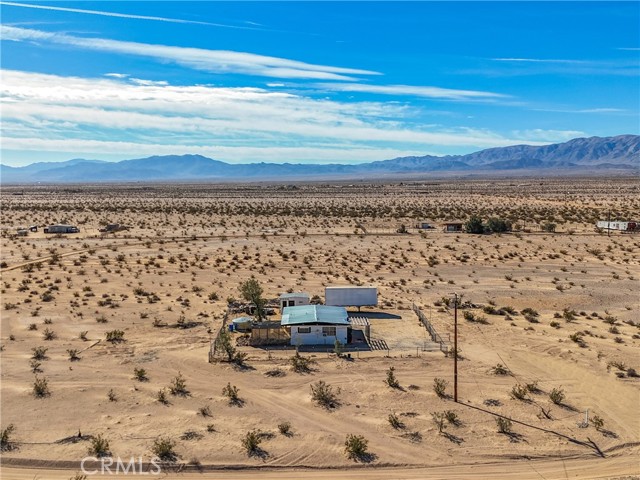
{"x": 577, "y": 155}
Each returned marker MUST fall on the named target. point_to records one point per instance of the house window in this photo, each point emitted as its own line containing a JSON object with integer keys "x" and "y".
{"x": 304, "y": 329}
{"x": 329, "y": 331}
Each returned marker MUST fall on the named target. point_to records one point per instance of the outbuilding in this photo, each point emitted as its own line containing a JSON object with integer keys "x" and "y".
{"x": 316, "y": 324}
{"x": 453, "y": 227}
{"x": 293, "y": 299}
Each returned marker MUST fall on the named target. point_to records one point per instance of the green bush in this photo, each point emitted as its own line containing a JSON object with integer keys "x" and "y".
{"x": 356, "y": 447}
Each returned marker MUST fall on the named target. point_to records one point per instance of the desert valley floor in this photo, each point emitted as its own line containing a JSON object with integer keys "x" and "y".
{"x": 541, "y": 312}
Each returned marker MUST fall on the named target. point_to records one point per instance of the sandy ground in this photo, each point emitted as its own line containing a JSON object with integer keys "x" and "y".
{"x": 188, "y": 250}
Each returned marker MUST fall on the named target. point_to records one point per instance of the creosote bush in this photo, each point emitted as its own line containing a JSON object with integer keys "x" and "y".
{"x": 324, "y": 395}
{"x": 391, "y": 379}
{"x": 519, "y": 392}
{"x": 163, "y": 448}
{"x": 504, "y": 425}
{"x": 356, "y": 447}
{"x": 140, "y": 374}
{"x": 557, "y": 396}
{"x": 231, "y": 392}
{"x": 5, "y": 438}
{"x": 99, "y": 447}
{"x": 179, "y": 385}
{"x": 300, "y": 364}
{"x": 440, "y": 387}
{"x": 285, "y": 428}
{"x": 251, "y": 442}
{"x": 395, "y": 421}
{"x": 41, "y": 387}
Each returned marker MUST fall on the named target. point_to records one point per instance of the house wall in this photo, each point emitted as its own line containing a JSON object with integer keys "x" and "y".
{"x": 316, "y": 336}
{"x": 293, "y": 301}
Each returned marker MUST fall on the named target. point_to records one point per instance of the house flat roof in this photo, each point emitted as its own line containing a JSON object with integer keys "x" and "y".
{"x": 295, "y": 295}
{"x": 315, "y": 314}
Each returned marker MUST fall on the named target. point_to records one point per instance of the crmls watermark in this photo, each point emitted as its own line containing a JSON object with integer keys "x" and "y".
{"x": 118, "y": 466}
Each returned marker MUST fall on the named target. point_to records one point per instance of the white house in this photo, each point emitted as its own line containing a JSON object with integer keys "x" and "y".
{"x": 293, "y": 299}
{"x": 316, "y": 324}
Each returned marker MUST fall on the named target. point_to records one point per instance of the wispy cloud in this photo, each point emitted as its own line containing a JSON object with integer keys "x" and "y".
{"x": 631, "y": 49}
{"x": 548, "y": 136}
{"x": 540, "y": 60}
{"x": 418, "y": 91}
{"x": 603, "y": 110}
{"x": 86, "y": 115}
{"x": 538, "y": 66}
{"x": 218, "y": 61}
{"x": 126, "y": 15}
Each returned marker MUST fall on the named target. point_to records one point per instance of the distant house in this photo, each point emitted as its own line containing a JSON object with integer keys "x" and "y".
{"x": 424, "y": 226}
{"x": 621, "y": 226}
{"x": 293, "y": 299}
{"x": 450, "y": 227}
{"x": 61, "y": 229}
{"x": 316, "y": 324}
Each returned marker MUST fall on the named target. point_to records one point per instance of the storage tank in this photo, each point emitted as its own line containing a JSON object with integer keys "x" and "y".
{"x": 349, "y": 296}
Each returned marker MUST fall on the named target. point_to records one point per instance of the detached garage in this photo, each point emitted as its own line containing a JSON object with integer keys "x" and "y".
{"x": 316, "y": 324}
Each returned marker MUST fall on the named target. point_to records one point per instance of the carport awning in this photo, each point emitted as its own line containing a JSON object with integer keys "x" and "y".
{"x": 359, "y": 321}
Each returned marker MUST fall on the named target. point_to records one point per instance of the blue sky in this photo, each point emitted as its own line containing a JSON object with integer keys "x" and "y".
{"x": 312, "y": 82}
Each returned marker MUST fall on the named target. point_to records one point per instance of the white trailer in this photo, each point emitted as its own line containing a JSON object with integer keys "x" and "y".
{"x": 349, "y": 296}
{"x": 616, "y": 225}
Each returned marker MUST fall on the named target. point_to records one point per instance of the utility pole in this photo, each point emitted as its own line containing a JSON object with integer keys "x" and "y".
{"x": 455, "y": 347}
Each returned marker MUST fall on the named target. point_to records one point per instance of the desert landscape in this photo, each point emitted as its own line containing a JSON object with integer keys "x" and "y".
{"x": 106, "y": 337}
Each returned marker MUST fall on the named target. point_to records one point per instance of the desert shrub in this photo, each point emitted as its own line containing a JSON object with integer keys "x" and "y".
{"x": 356, "y": 447}
{"x": 474, "y": 225}
{"x": 500, "y": 369}
{"x": 163, "y": 449}
{"x": 99, "y": 447}
{"x": 338, "y": 348}
{"x": 205, "y": 411}
{"x": 211, "y": 428}
{"x": 300, "y": 364}
{"x": 33, "y": 326}
{"x": 39, "y": 353}
{"x": 440, "y": 387}
{"x": 285, "y": 428}
{"x": 498, "y": 225}
{"x": 49, "y": 334}
{"x": 225, "y": 343}
{"x": 391, "y": 379}
{"x": 452, "y": 417}
{"x": 504, "y": 425}
{"x": 597, "y": 422}
{"x": 439, "y": 420}
{"x": 41, "y": 387}
{"x": 35, "y": 366}
{"x": 73, "y": 354}
{"x": 83, "y": 335}
{"x": 275, "y": 372}
{"x": 115, "y": 336}
{"x": 140, "y": 374}
{"x": 5, "y": 438}
{"x": 577, "y": 338}
{"x": 178, "y": 385}
{"x": 530, "y": 311}
{"x": 161, "y": 396}
{"x": 557, "y": 396}
{"x": 324, "y": 395}
{"x": 519, "y": 392}
{"x": 555, "y": 324}
{"x": 251, "y": 442}
{"x": 532, "y": 387}
{"x": 395, "y": 421}
{"x": 112, "y": 396}
{"x": 231, "y": 392}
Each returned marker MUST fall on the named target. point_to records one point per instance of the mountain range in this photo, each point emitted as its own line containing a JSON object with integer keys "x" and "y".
{"x": 580, "y": 155}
